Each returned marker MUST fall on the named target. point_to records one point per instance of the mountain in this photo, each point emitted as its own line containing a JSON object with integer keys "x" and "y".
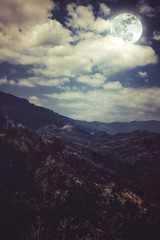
{"x": 31, "y": 116}
{"x": 21, "y": 111}
{"x": 71, "y": 180}
{"x": 54, "y": 189}
{"x": 117, "y": 127}
{"x": 75, "y": 133}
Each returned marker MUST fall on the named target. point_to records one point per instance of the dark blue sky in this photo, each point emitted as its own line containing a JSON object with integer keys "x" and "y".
{"x": 61, "y": 55}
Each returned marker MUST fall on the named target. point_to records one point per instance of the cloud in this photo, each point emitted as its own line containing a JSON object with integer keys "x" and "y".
{"x": 37, "y": 81}
{"x": 4, "y": 80}
{"x": 51, "y": 46}
{"x": 24, "y": 14}
{"x": 79, "y": 51}
{"x": 22, "y": 24}
{"x": 31, "y": 46}
{"x": 56, "y": 82}
{"x": 111, "y": 55}
{"x": 106, "y": 54}
{"x": 156, "y": 35}
{"x": 12, "y": 82}
{"x": 104, "y": 10}
{"x": 94, "y": 80}
{"x": 146, "y": 9}
{"x": 37, "y": 101}
{"x": 82, "y": 18}
{"x": 27, "y": 82}
{"x": 66, "y": 95}
{"x": 51, "y": 33}
{"x": 113, "y": 103}
{"x": 112, "y": 86}
{"x": 34, "y": 99}
{"x": 143, "y": 75}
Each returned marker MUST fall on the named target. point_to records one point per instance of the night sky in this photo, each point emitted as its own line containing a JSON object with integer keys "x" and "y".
{"x": 62, "y": 55}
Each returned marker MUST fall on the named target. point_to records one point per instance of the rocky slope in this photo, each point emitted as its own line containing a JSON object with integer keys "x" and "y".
{"x": 52, "y": 188}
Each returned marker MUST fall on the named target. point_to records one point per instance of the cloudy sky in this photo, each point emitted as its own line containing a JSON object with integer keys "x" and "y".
{"x": 62, "y": 55}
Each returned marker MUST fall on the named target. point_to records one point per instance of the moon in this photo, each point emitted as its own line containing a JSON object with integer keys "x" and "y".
{"x": 128, "y": 27}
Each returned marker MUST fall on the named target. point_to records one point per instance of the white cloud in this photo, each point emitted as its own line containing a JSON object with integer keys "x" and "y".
{"x": 156, "y": 35}
{"x": 143, "y": 74}
{"x": 94, "y": 80}
{"x": 47, "y": 46}
{"x": 4, "y": 80}
{"x": 27, "y": 82}
{"x": 12, "y": 82}
{"x": 107, "y": 54}
{"x": 37, "y": 101}
{"x": 146, "y": 9}
{"x": 33, "y": 99}
{"x": 57, "y": 82}
{"x": 37, "y": 81}
{"x": 66, "y": 95}
{"x": 112, "y": 86}
{"x": 114, "y": 103}
{"x": 33, "y": 45}
{"x": 24, "y": 14}
{"x": 111, "y": 55}
{"x": 90, "y": 56}
{"x": 104, "y": 10}
{"x": 82, "y": 17}
{"x": 50, "y": 33}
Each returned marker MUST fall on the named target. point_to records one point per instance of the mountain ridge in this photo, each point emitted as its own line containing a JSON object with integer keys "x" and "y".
{"x": 36, "y": 117}
{"x": 71, "y": 181}
{"x": 56, "y": 189}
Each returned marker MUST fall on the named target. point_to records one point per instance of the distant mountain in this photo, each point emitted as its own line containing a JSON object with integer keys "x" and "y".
{"x": 24, "y": 113}
{"x": 117, "y": 127}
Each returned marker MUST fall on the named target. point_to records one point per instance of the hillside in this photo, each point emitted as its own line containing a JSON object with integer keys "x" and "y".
{"x": 30, "y": 115}
{"x": 51, "y": 188}
{"x": 34, "y": 117}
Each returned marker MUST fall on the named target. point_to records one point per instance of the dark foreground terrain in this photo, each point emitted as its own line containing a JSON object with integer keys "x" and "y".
{"x": 53, "y": 189}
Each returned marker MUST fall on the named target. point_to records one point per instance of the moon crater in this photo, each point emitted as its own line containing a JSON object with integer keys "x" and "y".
{"x": 128, "y": 27}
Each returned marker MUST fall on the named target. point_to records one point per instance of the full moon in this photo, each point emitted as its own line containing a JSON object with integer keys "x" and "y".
{"x": 128, "y": 27}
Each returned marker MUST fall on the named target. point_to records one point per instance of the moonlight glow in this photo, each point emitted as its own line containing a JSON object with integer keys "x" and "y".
{"x": 128, "y": 27}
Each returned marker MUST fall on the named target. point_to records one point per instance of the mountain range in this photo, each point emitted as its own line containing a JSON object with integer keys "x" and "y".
{"x": 35, "y": 117}
{"x": 67, "y": 179}
{"x": 54, "y": 189}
